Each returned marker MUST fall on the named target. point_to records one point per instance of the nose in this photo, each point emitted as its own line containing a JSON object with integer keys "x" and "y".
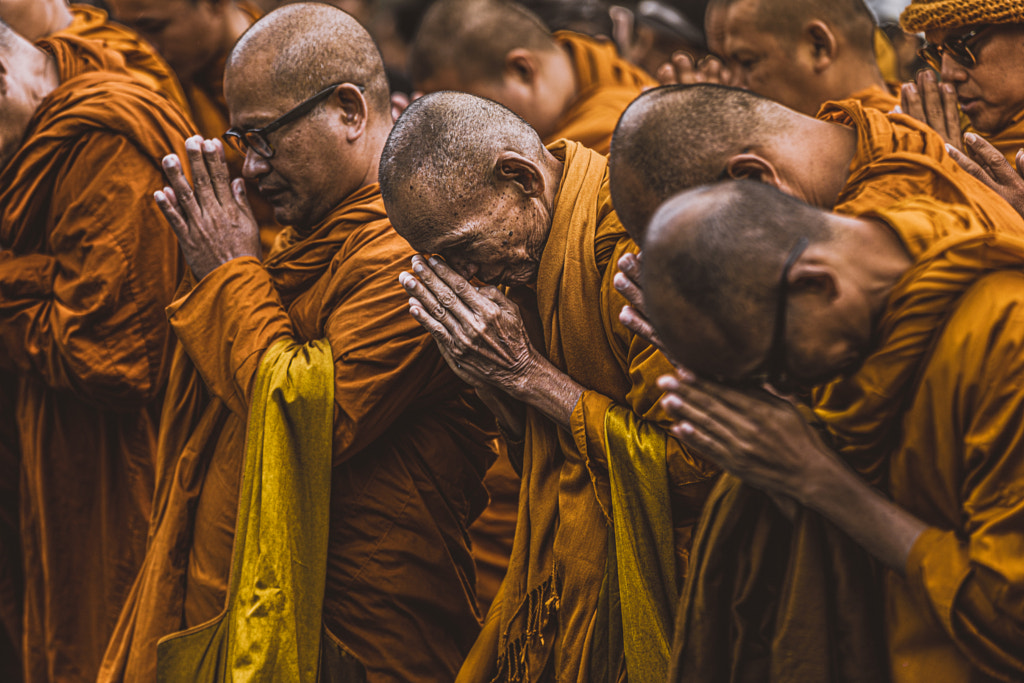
{"x": 255, "y": 166}
{"x": 952, "y": 72}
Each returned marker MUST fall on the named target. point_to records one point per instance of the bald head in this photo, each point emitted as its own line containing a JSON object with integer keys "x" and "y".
{"x": 472, "y": 38}
{"x": 438, "y": 165}
{"x": 27, "y": 76}
{"x": 788, "y": 19}
{"x": 300, "y": 49}
{"x": 677, "y": 137}
{"x": 35, "y": 19}
{"x": 712, "y": 269}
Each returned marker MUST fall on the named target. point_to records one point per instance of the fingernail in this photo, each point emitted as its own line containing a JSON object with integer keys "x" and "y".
{"x": 192, "y": 144}
{"x": 159, "y": 196}
{"x": 208, "y": 146}
{"x": 971, "y": 138}
{"x": 948, "y": 87}
{"x": 417, "y": 267}
{"x": 950, "y": 149}
{"x": 434, "y": 261}
{"x": 897, "y": 109}
{"x": 686, "y": 428}
{"x": 686, "y": 375}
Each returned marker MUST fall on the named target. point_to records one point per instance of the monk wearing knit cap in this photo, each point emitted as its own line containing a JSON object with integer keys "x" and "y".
{"x": 566, "y": 85}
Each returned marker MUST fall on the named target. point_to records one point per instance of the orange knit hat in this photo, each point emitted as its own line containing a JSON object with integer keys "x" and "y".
{"x": 925, "y": 15}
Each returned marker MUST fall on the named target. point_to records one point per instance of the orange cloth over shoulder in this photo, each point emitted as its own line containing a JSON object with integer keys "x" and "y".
{"x": 410, "y": 450}
{"x": 141, "y": 60}
{"x": 605, "y": 83}
{"x": 548, "y": 621}
{"x": 877, "y": 98}
{"x": 817, "y": 611}
{"x": 87, "y": 264}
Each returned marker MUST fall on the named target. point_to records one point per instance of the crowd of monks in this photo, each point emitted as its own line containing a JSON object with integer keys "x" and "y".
{"x": 512, "y": 341}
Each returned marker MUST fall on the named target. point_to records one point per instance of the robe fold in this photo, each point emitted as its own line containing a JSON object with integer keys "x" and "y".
{"x": 87, "y": 264}
{"x": 605, "y": 85}
{"x": 901, "y": 432}
{"x": 409, "y": 452}
{"x": 876, "y": 98}
{"x": 141, "y": 60}
{"x": 547, "y": 621}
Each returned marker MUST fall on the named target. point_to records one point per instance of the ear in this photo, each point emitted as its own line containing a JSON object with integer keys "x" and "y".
{"x": 814, "y": 278}
{"x": 823, "y": 42}
{"x": 353, "y": 110}
{"x": 753, "y": 167}
{"x": 521, "y": 65}
{"x": 522, "y": 172}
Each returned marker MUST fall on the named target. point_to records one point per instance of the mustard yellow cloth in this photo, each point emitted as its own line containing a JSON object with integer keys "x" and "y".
{"x": 270, "y": 629}
{"x": 644, "y": 542}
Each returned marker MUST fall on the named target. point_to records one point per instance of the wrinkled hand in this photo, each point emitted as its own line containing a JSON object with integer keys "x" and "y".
{"x": 987, "y": 164}
{"x": 682, "y": 70}
{"x": 634, "y": 316}
{"x": 214, "y": 223}
{"x": 935, "y": 104}
{"x": 479, "y": 331}
{"x": 759, "y": 438}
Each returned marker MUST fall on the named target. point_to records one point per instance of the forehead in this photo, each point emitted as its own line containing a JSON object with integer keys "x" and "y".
{"x": 742, "y": 25}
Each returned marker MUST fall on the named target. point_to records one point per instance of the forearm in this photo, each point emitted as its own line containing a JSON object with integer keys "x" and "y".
{"x": 549, "y": 390}
{"x": 881, "y": 527}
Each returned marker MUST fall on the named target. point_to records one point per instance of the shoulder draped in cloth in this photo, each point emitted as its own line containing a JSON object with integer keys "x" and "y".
{"x": 605, "y": 83}
{"x": 409, "y": 450}
{"x": 87, "y": 264}
{"x": 547, "y": 622}
{"x": 141, "y": 60}
{"x": 799, "y": 601}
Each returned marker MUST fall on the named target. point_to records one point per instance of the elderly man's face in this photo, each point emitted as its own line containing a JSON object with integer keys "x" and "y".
{"x": 313, "y": 167}
{"x": 187, "y": 33}
{"x": 991, "y": 93}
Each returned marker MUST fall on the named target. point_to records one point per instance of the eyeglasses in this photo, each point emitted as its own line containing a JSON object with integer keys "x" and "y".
{"x": 773, "y": 368}
{"x": 256, "y": 138}
{"x": 960, "y": 49}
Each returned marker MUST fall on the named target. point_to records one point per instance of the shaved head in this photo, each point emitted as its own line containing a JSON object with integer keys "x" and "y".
{"x": 712, "y": 269}
{"x": 438, "y": 163}
{"x": 302, "y": 48}
{"x": 35, "y": 19}
{"x": 787, "y": 19}
{"x": 677, "y": 137}
{"x": 472, "y": 38}
{"x": 27, "y": 76}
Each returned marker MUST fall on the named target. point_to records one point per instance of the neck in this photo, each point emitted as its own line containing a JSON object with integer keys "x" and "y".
{"x": 559, "y": 76}
{"x": 855, "y": 75}
{"x": 41, "y": 18}
{"x": 875, "y": 257}
{"x": 553, "y": 169}
{"x": 820, "y": 176}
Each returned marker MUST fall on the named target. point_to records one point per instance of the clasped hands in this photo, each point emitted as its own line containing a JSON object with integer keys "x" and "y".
{"x": 213, "y": 220}
{"x": 478, "y": 329}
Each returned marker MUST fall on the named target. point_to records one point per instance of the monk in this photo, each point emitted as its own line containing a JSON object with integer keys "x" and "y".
{"x": 409, "y": 446}
{"x": 976, "y": 48}
{"x": 801, "y": 53}
{"x": 908, "y": 322}
{"x": 565, "y": 85}
{"x": 35, "y": 19}
{"x": 607, "y": 503}
{"x": 87, "y": 265}
{"x": 654, "y": 30}
{"x": 195, "y": 37}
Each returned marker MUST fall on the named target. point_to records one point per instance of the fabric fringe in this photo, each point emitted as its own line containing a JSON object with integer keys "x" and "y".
{"x": 541, "y": 604}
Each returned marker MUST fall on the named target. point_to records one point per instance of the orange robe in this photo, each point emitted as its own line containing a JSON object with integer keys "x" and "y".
{"x": 814, "y": 612}
{"x": 877, "y": 98}
{"x": 605, "y": 85}
{"x": 87, "y": 264}
{"x": 551, "y": 620}
{"x": 141, "y": 60}
{"x": 409, "y": 453}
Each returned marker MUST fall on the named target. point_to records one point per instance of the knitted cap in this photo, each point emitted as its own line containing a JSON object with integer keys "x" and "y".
{"x": 925, "y": 15}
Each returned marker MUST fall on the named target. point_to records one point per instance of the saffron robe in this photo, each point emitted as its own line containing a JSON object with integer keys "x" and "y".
{"x": 141, "y": 60}
{"x": 1008, "y": 141}
{"x": 547, "y": 622}
{"x": 877, "y": 98}
{"x": 811, "y": 613}
{"x": 409, "y": 452}
{"x": 87, "y": 265}
{"x": 605, "y": 85}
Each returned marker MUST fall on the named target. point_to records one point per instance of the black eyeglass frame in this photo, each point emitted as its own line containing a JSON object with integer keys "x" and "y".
{"x": 960, "y": 49}
{"x": 256, "y": 138}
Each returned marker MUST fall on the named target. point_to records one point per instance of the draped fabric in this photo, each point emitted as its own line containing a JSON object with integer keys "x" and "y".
{"x": 270, "y": 627}
{"x": 409, "y": 451}
{"x": 876, "y": 98}
{"x": 141, "y": 60}
{"x": 756, "y": 592}
{"x": 87, "y": 264}
{"x": 547, "y": 623}
{"x": 605, "y": 85}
